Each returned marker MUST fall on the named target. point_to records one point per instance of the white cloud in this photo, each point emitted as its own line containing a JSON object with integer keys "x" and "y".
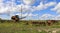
{"x": 47, "y": 17}
{"x": 10, "y": 6}
{"x": 29, "y": 2}
{"x": 57, "y": 17}
{"x": 56, "y": 8}
{"x": 5, "y": 7}
{"x": 27, "y": 14}
{"x": 30, "y": 15}
{"x": 50, "y": 4}
{"x": 43, "y": 17}
{"x": 27, "y": 8}
{"x": 42, "y": 6}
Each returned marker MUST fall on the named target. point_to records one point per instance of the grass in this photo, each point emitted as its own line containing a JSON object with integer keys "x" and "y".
{"x": 21, "y": 27}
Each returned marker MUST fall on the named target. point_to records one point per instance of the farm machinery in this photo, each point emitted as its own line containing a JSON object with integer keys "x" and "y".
{"x": 16, "y": 18}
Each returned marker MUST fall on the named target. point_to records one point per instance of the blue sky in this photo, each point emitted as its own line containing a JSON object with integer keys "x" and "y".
{"x": 33, "y": 9}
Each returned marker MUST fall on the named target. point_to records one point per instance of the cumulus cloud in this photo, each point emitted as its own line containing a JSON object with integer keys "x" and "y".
{"x": 27, "y": 14}
{"x": 57, "y": 17}
{"x": 29, "y": 2}
{"x": 56, "y": 8}
{"x": 10, "y": 7}
{"x": 42, "y": 6}
{"x": 30, "y": 15}
{"x": 47, "y": 17}
{"x": 5, "y": 7}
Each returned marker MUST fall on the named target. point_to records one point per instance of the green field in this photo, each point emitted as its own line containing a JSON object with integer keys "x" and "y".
{"x": 21, "y": 27}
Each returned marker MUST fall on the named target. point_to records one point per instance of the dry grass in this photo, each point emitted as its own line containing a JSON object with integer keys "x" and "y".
{"x": 21, "y": 27}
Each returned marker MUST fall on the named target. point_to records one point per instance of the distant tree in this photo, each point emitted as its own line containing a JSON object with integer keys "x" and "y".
{"x": 0, "y": 19}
